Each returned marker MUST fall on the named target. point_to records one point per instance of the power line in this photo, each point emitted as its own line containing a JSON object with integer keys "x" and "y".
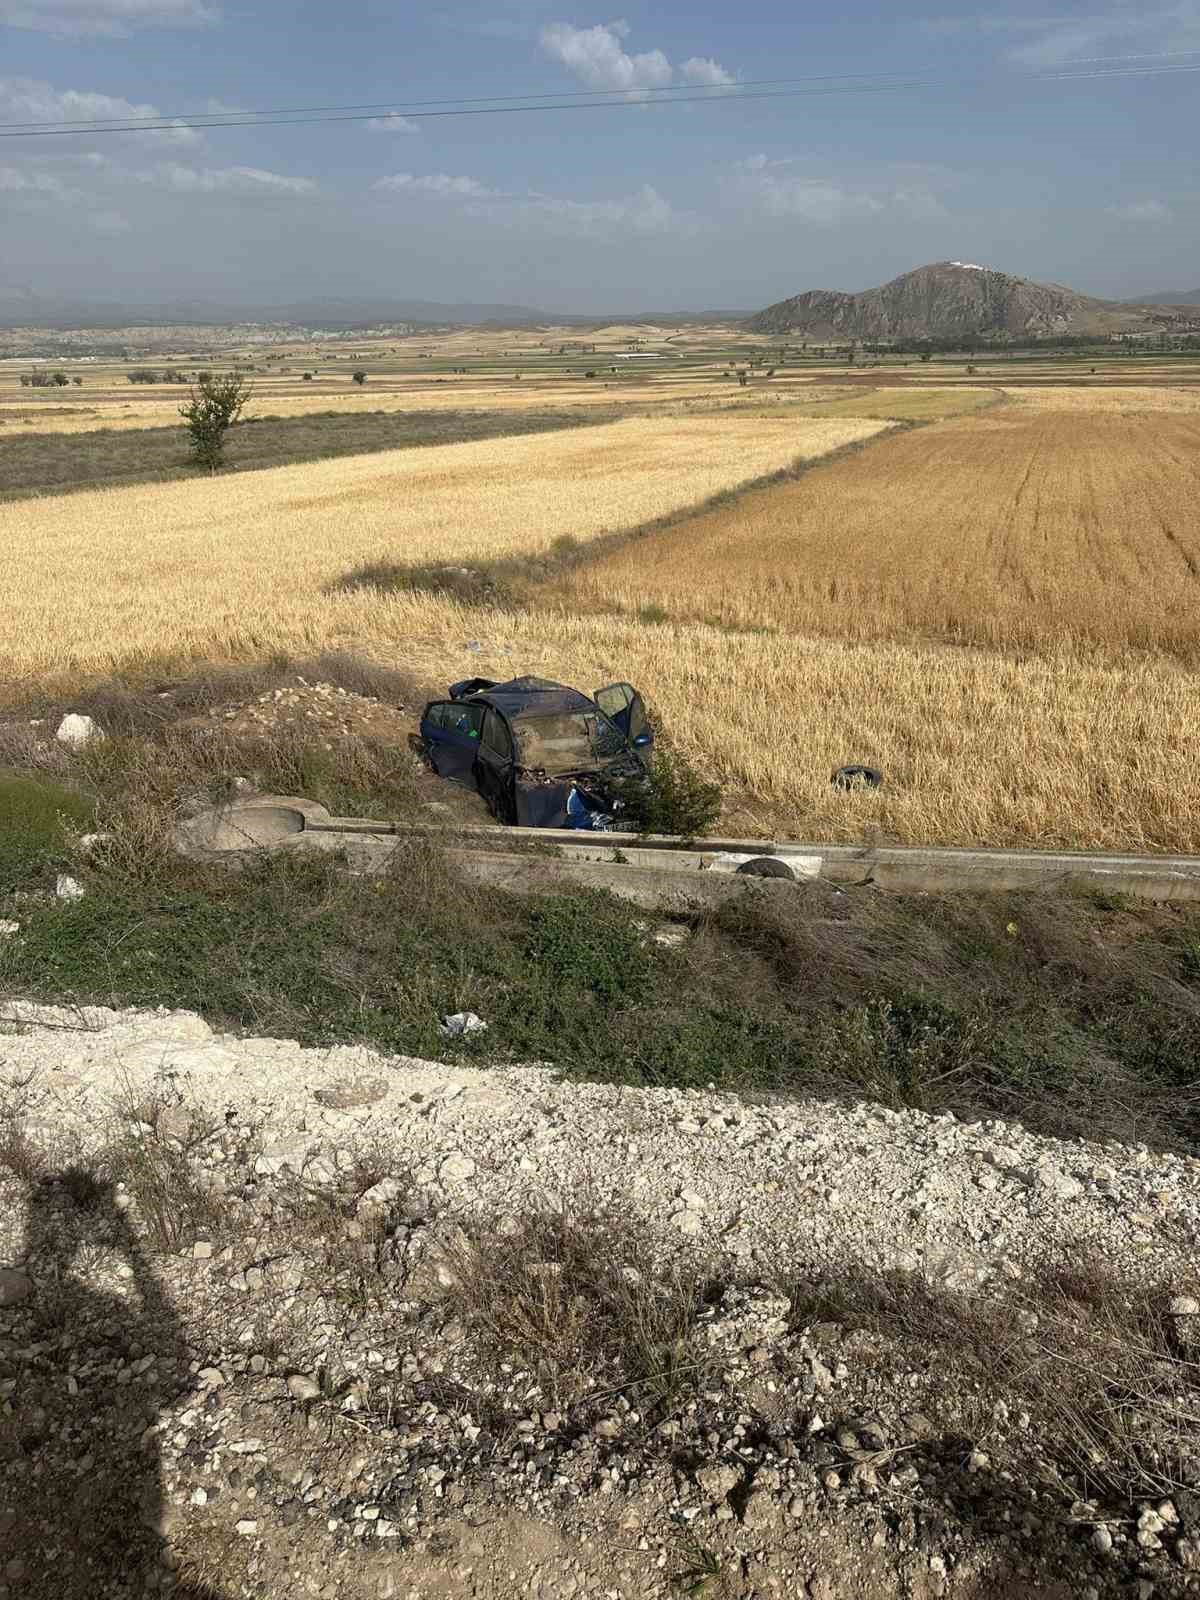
{"x": 723, "y": 94}
{"x": 390, "y": 107}
{"x": 847, "y": 80}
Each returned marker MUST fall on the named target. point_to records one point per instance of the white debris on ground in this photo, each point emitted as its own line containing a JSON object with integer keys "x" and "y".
{"x": 461, "y": 1023}
{"x": 76, "y": 729}
{"x": 809, "y": 1182}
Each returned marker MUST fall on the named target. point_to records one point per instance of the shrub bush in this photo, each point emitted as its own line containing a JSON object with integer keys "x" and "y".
{"x": 677, "y": 798}
{"x": 214, "y": 406}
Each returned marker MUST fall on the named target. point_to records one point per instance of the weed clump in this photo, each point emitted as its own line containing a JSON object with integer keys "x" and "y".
{"x": 581, "y": 1304}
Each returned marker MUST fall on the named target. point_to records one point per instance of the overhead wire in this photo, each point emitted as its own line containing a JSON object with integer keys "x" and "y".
{"x": 603, "y": 99}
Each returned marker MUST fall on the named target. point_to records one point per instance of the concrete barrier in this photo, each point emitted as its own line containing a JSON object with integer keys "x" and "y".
{"x": 661, "y": 864}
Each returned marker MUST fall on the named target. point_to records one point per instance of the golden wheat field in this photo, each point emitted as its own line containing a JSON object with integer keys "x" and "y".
{"x": 109, "y": 409}
{"x": 977, "y": 746}
{"x": 202, "y": 565}
{"x": 1017, "y": 528}
{"x": 1050, "y": 532}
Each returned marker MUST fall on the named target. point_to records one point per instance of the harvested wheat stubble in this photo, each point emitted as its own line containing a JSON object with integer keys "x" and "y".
{"x": 1015, "y": 529}
{"x": 189, "y": 568}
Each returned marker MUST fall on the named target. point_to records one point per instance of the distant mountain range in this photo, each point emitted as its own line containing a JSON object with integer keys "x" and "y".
{"x": 29, "y": 310}
{"x": 342, "y": 314}
{"x": 951, "y": 299}
{"x": 1169, "y": 297}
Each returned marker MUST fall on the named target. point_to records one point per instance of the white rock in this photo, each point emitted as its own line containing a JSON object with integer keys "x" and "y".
{"x": 381, "y": 1194}
{"x": 456, "y": 1168}
{"x": 690, "y": 1223}
{"x": 76, "y": 729}
{"x": 282, "y": 1157}
{"x": 8, "y": 927}
{"x": 247, "y": 1526}
{"x": 1184, "y": 1305}
{"x": 1059, "y": 1183}
{"x": 302, "y": 1387}
{"x": 68, "y": 888}
{"x": 461, "y": 1023}
{"x": 1102, "y": 1540}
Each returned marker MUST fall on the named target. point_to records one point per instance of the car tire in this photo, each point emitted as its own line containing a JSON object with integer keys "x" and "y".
{"x": 766, "y": 867}
{"x": 855, "y": 777}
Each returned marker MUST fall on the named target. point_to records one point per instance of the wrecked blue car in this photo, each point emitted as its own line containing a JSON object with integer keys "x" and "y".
{"x": 540, "y": 754}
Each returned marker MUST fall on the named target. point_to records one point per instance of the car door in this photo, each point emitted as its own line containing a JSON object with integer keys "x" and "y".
{"x": 622, "y": 704}
{"x": 495, "y": 770}
{"x": 450, "y": 732}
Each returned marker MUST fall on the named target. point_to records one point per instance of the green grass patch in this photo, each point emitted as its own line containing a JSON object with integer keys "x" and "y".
{"x": 1079, "y": 1024}
{"x": 35, "y": 816}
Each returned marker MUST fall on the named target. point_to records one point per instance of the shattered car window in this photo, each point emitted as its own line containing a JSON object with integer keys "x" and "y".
{"x": 566, "y": 742}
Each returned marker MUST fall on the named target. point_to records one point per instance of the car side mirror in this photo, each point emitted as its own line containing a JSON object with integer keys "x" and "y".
{"x": 642, "y": 741}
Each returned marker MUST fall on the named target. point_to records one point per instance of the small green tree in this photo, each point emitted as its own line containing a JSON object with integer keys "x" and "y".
{"x": 215, "y": 405}
{"x": 61, "y": 379}
{"x": 675, "y": 797}
{"x": 359, "y": 376}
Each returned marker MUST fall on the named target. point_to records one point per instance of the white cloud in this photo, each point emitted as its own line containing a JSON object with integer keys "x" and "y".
{"x": 644, "y": 212}
{"x": 14, "y": 181}
{"x": 436, "y": 183}
{"x": 112, "y": 223}
{"x": 33, "y": 100}
{"x": 119, "y": 17}
{"x": 1109, "y": 30}
{"x": 598, "y": 58}
{"x": 393, "y": 123}
{"x": 769, "y": 187}
{"x": 703, "y": 69}
{"x": 223, "y": 180}
{"x": 1142, "y": 211}
{"x": 641, "y": 213}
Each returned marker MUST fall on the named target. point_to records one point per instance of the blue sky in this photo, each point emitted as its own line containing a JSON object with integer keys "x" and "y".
{"x": 1089, "y": 179}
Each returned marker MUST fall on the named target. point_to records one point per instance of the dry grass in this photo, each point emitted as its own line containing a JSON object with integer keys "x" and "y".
{"x": 283, "y": 398}
{"x": 977, "y": 747}
{"x": 1120, "y": 399}
{"x": 808, "y": 623}
{"x": 1021, "y": 529}
{"x": 242, "y": 565}
{"x": 1095, "y": 1362}
{"x": 583, "y": 1306}
{"x": 910, "y": 404}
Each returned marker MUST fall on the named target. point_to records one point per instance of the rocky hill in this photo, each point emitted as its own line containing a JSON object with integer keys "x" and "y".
{"x": 953, "y": 298}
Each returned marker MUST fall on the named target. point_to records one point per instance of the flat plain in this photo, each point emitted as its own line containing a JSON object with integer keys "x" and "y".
{"x": 992, "y": 600}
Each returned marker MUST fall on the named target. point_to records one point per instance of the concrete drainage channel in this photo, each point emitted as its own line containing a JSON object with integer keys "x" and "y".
{"x": 665, "y": 873}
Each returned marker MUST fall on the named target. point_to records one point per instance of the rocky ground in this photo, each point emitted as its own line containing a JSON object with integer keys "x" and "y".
{"x": 283, "y": 1321}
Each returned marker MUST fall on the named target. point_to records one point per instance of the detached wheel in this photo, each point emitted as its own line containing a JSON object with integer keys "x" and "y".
{"x": 766, "y": 867}
{"x": 856, "y": 778}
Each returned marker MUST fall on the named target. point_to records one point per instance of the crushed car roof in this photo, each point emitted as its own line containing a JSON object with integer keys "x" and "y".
{"x": 533, "y": 697}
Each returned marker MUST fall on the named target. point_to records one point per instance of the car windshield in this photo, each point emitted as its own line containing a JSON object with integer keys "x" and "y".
{"x": 567, "y": 741}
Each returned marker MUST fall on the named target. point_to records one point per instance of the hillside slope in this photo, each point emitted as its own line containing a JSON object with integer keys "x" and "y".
{"x": 952, "y": 298}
